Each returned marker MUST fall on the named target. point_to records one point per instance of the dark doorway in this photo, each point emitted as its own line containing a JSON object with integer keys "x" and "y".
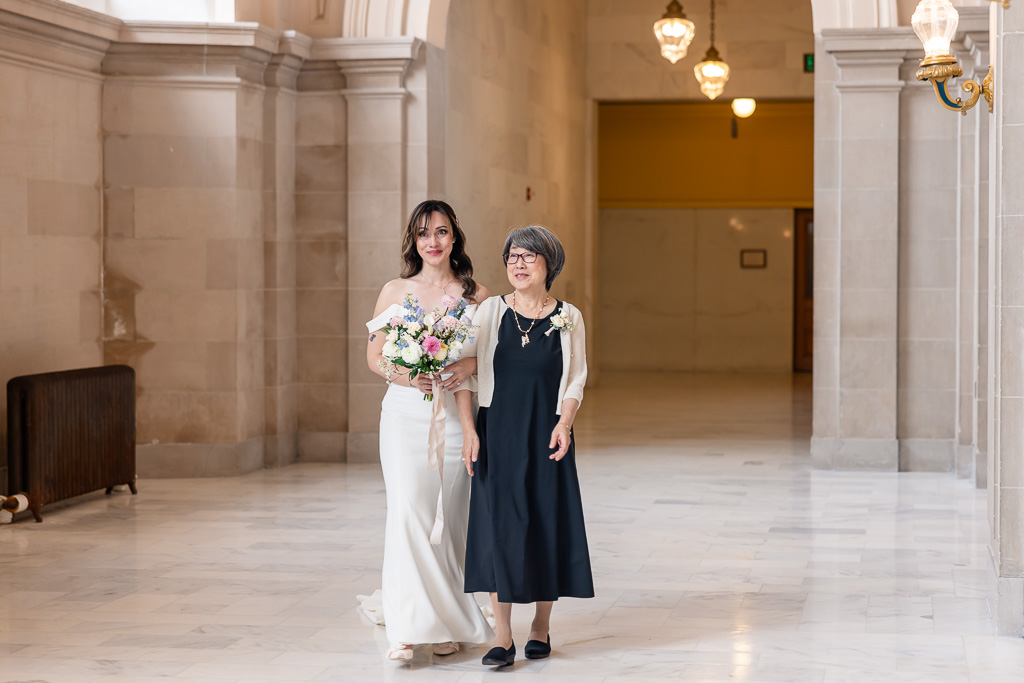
{"x": 803, "y": 290}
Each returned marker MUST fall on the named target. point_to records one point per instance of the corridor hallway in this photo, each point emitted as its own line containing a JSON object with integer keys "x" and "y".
{"x": 718, "y": 553}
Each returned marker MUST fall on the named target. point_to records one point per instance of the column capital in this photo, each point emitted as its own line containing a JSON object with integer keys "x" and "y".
{"x": 373, "y": 67}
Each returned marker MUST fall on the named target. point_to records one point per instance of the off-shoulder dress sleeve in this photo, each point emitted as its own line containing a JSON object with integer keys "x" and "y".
{"x": 381, "y": 320}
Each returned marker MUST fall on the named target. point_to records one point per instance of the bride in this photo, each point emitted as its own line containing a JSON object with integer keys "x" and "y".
{"x": 422, "y": 584}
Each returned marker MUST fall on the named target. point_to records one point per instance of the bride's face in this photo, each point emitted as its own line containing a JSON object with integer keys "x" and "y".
{"x": 434, "y": 240}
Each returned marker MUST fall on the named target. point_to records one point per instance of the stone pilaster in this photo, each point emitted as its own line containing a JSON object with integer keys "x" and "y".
{"x": 321, "y": 257}
{"x": 279, "y": 294}
{"x": 375, "y": 96}
{"x": 856, "y": 247}
{"x": 972, "y": 372}
{"x": 1006, "y": 325}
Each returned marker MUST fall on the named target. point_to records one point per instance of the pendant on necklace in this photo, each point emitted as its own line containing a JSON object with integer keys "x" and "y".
{"x": 526, "y": 339}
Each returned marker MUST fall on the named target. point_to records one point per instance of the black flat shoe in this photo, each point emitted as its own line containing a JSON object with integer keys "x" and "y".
{"x": 536, "y": 649}
{"x": 499, "y": 656}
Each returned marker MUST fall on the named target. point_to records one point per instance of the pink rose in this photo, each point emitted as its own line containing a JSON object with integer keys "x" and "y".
{"x": 396, "y": 322}
{"x": 448, "y": 300}
{"x": 432, "y": 345}
{"x": 449, "y": 321}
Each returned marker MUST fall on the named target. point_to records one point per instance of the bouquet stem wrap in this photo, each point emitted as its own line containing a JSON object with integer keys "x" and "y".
{"x": 435, "y": 457}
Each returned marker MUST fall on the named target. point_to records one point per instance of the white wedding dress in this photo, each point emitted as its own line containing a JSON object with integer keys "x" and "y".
{"x": 422, "y": 597}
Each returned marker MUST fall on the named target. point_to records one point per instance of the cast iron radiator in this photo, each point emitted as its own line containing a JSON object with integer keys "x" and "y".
{"x": 70, "y": 433}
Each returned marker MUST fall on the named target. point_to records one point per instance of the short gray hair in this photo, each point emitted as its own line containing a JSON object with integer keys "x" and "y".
{"x": 541, "y": 241}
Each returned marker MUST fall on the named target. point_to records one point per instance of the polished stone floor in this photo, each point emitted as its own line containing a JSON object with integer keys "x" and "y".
{"x": 719, "y": 555}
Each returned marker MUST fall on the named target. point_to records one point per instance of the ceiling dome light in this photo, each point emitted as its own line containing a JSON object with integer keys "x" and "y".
{"x": 743, "y": 107}
{"x": 674, "y": 32}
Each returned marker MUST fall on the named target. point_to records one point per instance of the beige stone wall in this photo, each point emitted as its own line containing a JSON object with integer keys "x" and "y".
{"x": 763, "y": 43}
{"x": 678, "y": 271}
{"x": 184, "y": 253}
{"x": 516, "y": 120}
{"x": 50, "y": 209}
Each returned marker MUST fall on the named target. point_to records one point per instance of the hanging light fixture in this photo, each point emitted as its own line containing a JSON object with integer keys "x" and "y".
{"x": 935, "y": 23}
{"x": 743, "y": 106}
{"x": 674, "y": 32}
{"x": 712, "y": 73}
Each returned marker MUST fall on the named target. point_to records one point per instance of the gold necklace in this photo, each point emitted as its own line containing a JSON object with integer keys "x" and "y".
{"x": 424, "y": 278}
{"x": 526, "y": 332}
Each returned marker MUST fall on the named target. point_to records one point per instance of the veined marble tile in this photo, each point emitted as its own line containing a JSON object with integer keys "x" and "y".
{"x": 718, "y": 555}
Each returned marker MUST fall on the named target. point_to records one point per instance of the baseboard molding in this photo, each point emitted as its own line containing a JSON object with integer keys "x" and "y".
{"x": 1006, "y": 601}
{"x": 833, "y": 453}
{"x": 322, "y": 447}
{"x": 364, "y": 446}
{"x": 927, "y": 455}
{"x": 198, "y": 460}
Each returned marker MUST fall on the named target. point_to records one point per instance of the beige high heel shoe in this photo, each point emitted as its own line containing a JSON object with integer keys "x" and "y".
{"x": 399, "y": 654}
{"x": 445, "y": 649}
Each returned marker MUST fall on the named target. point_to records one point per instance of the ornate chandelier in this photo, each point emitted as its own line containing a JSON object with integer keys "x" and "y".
{"x": 674, "y": 32}
{"x": 712, "y": 73}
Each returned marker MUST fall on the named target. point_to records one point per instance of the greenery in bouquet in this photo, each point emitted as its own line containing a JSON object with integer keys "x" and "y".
{"x": 425, "y": 342}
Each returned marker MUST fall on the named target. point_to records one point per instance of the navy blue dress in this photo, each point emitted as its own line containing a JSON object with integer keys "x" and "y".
{"x": 526, "y": 539}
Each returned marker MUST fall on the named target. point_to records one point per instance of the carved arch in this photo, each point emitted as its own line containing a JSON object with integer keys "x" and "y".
{"x": 427, "y": 19}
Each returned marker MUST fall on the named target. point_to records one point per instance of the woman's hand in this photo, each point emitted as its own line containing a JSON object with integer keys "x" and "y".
{"x": 461, "y": 371}
{"x": 470, "y": 448}
{"x": 560, "y": 439}
{"x": 423, "y": 382}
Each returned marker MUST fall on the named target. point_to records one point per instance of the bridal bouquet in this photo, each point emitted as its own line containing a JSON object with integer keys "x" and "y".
{"x": 425, "y": 342}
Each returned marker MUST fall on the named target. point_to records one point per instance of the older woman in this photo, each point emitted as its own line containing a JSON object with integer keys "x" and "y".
{"x": 526, "y": 541}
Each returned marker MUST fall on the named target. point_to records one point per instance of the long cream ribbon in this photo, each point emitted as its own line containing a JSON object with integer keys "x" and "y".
{"x": 435, "y": 456}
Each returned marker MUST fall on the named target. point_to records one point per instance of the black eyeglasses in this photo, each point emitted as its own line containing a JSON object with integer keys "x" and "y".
{"x": 528, "y": 257}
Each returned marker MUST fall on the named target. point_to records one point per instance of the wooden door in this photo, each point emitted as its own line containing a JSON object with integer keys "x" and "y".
{"x": 803, "y": 290}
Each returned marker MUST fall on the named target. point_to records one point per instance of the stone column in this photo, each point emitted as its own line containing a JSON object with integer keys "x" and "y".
{"x": 1006, "y": 325}
{"x": 856, "y": 246}
{"x": 929, "y": 250}
{"x": 321, "y": 233}
{"x": 375, "y": 95}
{"x": 983, "y": 134}
{"x": 183, "y": 276}
{"x": 279, "y": 295}
{"x": 973, "y": 257}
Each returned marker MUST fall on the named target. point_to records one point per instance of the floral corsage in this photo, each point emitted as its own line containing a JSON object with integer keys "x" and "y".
{"x": 560, "y": 322}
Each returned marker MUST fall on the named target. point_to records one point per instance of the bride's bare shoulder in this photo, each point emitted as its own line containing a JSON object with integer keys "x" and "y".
{"x": 392, "y": 292}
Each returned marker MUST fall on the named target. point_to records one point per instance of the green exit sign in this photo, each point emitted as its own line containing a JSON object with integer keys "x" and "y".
{"x": 809, "y": 63}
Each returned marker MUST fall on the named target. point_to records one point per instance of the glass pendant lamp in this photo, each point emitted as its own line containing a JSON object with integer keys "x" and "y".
{"x": 674, "y": 32}
{"x": 712, "y": 73}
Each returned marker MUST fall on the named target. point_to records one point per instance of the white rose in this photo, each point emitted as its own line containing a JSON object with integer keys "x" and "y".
{"x": 412, "y": 353}
{"x": 558, "y": 321}
{"x": 390, "y": 350}
{"x": 414, "y": 328}
{"x": 392, "y": 336}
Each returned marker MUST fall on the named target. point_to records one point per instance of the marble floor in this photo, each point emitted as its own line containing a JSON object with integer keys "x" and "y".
{"x": 719, "y": 555}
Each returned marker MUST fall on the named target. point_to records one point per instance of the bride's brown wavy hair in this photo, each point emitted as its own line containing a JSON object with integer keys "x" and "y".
{"x": 462, "y": 267}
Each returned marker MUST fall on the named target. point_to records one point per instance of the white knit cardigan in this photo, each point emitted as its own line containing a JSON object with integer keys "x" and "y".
{"x": 574, "y": 351}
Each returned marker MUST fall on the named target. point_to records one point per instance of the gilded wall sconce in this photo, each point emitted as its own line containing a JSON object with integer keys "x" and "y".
{"x": 935, "y": 23}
